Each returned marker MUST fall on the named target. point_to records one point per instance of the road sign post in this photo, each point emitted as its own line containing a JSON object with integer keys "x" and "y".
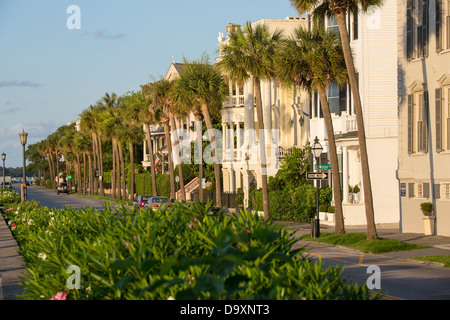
{"x": 323, "y": 166}
{"x": 317, "y": 175}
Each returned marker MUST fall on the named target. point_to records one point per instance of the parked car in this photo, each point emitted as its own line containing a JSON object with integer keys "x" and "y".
{"x": 142, "y": 200}
{"x": 157, "y": 202}
{"x": 62, "y": 187}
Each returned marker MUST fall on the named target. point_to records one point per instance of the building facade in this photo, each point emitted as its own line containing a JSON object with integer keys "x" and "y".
{"x": 285, "y": 121}
{"x": 424, "y": 112}
{"x": 374, "y": 47}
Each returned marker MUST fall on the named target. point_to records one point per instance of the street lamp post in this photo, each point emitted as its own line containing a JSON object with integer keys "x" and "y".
{"x": 23, "y": 140}
{"x": 3, "y": 158}
{"x": 315, "y": 222}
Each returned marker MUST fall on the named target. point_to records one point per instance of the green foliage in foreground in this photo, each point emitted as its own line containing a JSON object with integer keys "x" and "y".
{"x": 181, "y": 253}
{"x": 8, "y": 195}
{"x": 359, "y": 241}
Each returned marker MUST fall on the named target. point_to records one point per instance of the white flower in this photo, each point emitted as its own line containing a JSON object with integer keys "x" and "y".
{"x": 31, "y": 222}
{"x": 17, "y": 212}
{"x": 42, "y": 256}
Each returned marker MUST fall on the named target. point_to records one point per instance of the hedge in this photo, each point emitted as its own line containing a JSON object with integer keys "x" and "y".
{"x": 181, "y": 254}
{"x": 292, "y": 205}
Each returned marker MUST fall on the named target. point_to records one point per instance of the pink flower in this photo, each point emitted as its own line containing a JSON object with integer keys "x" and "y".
{"x": 60, "y": 295}
{"x": 13, "y": 225}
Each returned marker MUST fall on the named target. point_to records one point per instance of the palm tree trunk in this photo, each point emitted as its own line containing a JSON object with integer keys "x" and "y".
{"x": 131, "y": 171}
{"x": 57, "y": 166}
{"x": 84, "y": 173}
{"x": 100, "y": 164}
{"x": 119, "y": 189}
{"x": 209, "y": 126}
{"x": 91, "y": 178}
{"x": 262, "y": 147}
{"x": 50, "y": 168}
{"x": 171, "y": 170}
{"x": 113, "y": 172}
{"x": 152, "y": 158}
{"x": 339, "y": 217}
{"x": 122, "y": 166}
{"x": 198, "y": 120}
{"x": 94, "y": 154}
{"x": 180, "y": 168}
{"x": 367, "y": 186}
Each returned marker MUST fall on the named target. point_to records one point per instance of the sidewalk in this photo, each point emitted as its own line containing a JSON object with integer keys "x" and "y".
{"x": 12, "y": 265}
{"x": 440, "y": 244}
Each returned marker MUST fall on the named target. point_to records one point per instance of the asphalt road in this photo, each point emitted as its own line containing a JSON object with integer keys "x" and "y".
{"x": 49, "y": 198}
{"x": 397, "y": 278}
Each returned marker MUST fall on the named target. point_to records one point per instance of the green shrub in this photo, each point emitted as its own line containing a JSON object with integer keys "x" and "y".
{"x": 8, "y": 196}
{"x": 427, "y": 208}
{"x": 323, "y": 208}
{"x": 180, "y": 253}
{"x": 331, "y": 209}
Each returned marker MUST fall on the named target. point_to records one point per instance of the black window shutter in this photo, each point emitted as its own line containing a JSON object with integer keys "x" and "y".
{"x": 426, "y": 190}
{"x": 410, "y": 123}
{"x": 437, "y": 191}
{"x": 409, "y": 30}
{"x": 438, "y": 104}
{"x": 425, "y": 122}
{"x": 425, "y": 27}
{"x": 411, "y": 189}
{"x": 438, "y": 26}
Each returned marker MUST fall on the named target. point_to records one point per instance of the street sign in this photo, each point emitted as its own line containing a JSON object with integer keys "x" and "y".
{"x": 316, "y": 175}
{"x": 323, "y": 166}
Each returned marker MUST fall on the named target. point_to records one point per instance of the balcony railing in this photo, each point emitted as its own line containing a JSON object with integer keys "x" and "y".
{"x": 236, "y": 101}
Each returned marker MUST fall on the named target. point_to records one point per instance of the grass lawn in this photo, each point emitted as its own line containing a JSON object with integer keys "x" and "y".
{"x": 445, "y": 259}
{"x": 359, "y": 241}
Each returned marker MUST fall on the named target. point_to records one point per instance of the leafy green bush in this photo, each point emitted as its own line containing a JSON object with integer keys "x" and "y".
{"x": 323, "y": 208}
{"x": 181, "y": 253}
{"x": 331, "y": 209}
{"x": 8, "y": 196}
{"x": 427, "y": 208}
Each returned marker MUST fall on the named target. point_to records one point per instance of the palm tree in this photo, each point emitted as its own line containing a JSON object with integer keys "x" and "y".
{"x": 314, "y": 59}
{"x": 248, "y": 55}
{"x": 202, "y": 89}
{"x": 130, "y": 111}
{"x": 161, "y": 105}
{"x": 89, "y": 120}
{"x": 340, "y": 8}
{"x": 148, "y": 118}
{"x": 108, "y": 129}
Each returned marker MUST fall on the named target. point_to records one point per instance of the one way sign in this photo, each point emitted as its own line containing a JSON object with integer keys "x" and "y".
{"x": 316, "y": 175}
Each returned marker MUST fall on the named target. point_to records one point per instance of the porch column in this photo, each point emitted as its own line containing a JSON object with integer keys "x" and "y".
{"x": 238, "y": 134}
{"x": 345, "y": 173}
{"x": 224, "y": 142}
{"x": 232, "y": 180}
{"x": 245, "y": 187}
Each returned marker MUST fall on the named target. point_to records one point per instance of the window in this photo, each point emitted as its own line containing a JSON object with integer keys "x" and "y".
{"x": 355, "y": 26}
{"x": 442, "y": 111}
{"x": 422, "y": 190}
{"x": 445, "y": 191}
{"x": 332, "y": 24}
{"x": 442, "y": 16}
{"x": 418, "y": 122}
{"x": 333, "y": 98}
{"x": 417, "y": 25}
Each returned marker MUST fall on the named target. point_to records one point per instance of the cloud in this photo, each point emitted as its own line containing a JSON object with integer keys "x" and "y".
{"x": 15, "y": 83}
{"x": 101, "y": 35}
{"x": 12, "y": 110}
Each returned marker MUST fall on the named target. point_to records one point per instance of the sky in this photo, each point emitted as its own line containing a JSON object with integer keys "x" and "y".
{"x": 55, "y": 62}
